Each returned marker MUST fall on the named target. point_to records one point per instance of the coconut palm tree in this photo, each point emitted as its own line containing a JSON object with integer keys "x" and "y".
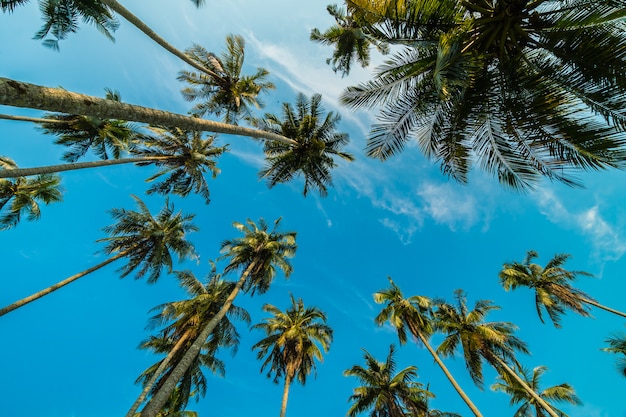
{"x": 481, "y": 341}
{"x": 295, "y": 339}
{"x": 226, "y": 91}
{"x": 553, "y": 291}
{"x": 258, "y": 255}
{"x": 22, "y": 195}
{"x": 415, "y": 315}
{"x": 617, "y": 345}
{"x": 384, "y": 392}
{"x": 183, "y": 156}
{"x": 181, "y": 322}
{"x": 514, "y": 87}
{"x": 316, "y": 145}
{"x": 147, "y": 242}
{"x": 528, "y": 406}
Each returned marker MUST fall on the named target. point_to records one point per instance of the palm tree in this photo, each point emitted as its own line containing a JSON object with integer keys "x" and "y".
{"x": 480, "y": 341}
{"x": 529, "y": 407}
{"x": 226, "y": 90}
{"x": 384, "y": 392}
{"x": 351, "y": 42}
{"x": 294, "y": 339}
{"x": 414, "y": 314}
{"x": 23, "y": 195}
{"x": 514, "y": 87}
{"x": 21, "y": 94}
{"x": 184, "y": 321}
{"x": 257, "y": 254}
{"x": 617, "y": 345}
{"x": 148, "y": 242}
{"x": 553, "y": 291}
{"x": 184, "y": 157}
{"x": 316, "y": 145}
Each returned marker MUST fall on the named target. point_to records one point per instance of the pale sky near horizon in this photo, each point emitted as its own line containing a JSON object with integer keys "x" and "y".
{"x": 74, "y": 352}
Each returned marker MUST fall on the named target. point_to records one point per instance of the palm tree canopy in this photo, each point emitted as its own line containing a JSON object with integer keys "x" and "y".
{"x": 295, "y": 339}
{"x": 150, "y": 240}
{"x": 317, "y": 144}
{"x": 479, "y": 340}
{"x": 224, "y": 91}
{"x": 524, "y": 89}
{"x": 106, "y": 138}
{"x": 22, "y": 195}
{"x": 529, "y": 408}
{"x": 552, "y": 285}
{"x": 190, "y": 157}
{"x": 617, "y": 345}
{"x": 261, "y": 249}
{"x": 384, "y": 392}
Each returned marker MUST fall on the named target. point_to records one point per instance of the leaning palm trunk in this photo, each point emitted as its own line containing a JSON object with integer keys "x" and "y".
{"x": 160, "y": 397}
{"x": 20, "y": 94}
{"x": 525, "y": 386}
{"x": 29, "y": 119}
{"x": 283, "y": 405}
{"x": 50, "y": 169}
{"x": 445, "y": 370}
{"x": 605, "y": 308}
{"x": 60, "y": 284}
{"x": 132, "y": 19}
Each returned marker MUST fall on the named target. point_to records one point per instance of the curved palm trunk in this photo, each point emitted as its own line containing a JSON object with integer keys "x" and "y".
{"x": 283, "y": 405}
{"x": 20, "y": 94}
{"x": 445, "y": 370}
{"x": 29, "y": 119}
{"x": 605, "y": 308}
{"x": 50, "y": 169}
{"x": 60, "y": 284}
{"x": 524, "y": 385}
{"x": 160, "y": 397}
{"x": 135, "y": 21}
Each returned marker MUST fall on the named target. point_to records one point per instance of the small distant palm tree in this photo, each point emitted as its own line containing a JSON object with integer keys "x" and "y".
{"x": 23, "y": 195}
{"x": 225, "y": 90}
{"x": 617, "y": 345}
{"x": 147, "y": 242}
{"x": 258, "y": 254}
{"x": 553, "y": 291}
{"x": 529, "y": 407}
{"x": 384, "y": 392}
{"x": 295, "y": 340}
{"x": 316, "y": 145}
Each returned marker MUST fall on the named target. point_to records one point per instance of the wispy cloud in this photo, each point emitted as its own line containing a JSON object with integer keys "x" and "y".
{"x": 449, "y": 205}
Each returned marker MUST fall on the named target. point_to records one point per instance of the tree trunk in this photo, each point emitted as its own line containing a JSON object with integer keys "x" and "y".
{"x": 60, "y": 284}
{"x": 50, "y": 169}
{"x": 20, "y": 94}
{"x": 283, "y": 405}
{"x": 133, "y": 20}
{"x": 160, "y": 397}
{"x": 445, "y": 370}
{"x": 30, "y": 119}
{"x": 524, "y": 385}
{"x": 605, "y": 308}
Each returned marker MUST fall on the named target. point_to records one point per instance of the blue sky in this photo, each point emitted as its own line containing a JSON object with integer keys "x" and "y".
{"x": 74, "y": 352}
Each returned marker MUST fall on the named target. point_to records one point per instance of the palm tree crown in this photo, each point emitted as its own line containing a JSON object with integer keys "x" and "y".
{"x": 224, "y": 90}
{"x": 617, "y": 345}
{"x": 384, "y": 392}
{"x": 312, "y": 154}
{"x": 513, "y": 86}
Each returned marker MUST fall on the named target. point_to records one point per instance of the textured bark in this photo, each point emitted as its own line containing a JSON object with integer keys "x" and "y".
{"x": 283, "y": 405}
{"x": 51, "y": 169}
{"x": 20, "y": 94}
{"x": 605, "y": 308}
{"x": 60, "y": 284}
{"x": 160, "y": 397}
{"x": 29, "y": 119}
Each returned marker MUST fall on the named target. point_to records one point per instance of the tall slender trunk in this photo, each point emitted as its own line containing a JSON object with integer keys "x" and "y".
{"x": 30, "y": 119}
{"x": 160, "y": 397}
{"x": 524, "y": 385}
{"x": 20, "y": 94}
{"x": 135, "y": 21}
{"x": 605, "y": 308}
{"x": 283, "y": 405}
{"x": 445, "y": 370}
{"x": 60, "y": 284}
{"x": 50, "y": 169}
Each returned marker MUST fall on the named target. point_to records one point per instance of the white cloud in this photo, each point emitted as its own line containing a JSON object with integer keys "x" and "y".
{"x": 449, "y": 205}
